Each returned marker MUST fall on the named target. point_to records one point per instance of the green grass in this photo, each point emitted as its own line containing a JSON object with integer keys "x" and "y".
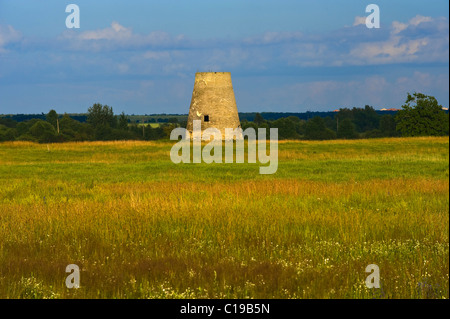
{"x": 139, "y": 226}
{"x": 152, "y": 125}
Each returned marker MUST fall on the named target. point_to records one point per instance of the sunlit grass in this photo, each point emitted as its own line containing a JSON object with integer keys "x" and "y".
{"x": 140, "y": 226}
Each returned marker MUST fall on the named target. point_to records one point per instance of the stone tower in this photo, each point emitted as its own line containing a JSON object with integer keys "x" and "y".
{"x": 213, "y": 102}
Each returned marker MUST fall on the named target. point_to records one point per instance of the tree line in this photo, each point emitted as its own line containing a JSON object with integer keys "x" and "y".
{"x": 101, "y": 125}
{"x": 421, "y": 115}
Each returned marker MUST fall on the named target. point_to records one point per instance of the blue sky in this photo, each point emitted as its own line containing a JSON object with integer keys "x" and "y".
{"x": 291, "y": 56}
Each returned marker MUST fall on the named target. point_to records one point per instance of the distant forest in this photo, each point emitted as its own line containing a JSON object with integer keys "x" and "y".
{"x": 420, "y": 116}
{"x": 165, "y": 118}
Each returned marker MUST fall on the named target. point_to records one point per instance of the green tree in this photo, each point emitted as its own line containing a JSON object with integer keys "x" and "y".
{"x": 123, "y": 122}
{"x": 43, "y": 131}
{"x": 101, "y": 115}
{"x": 376, "y": 133}
{"x": 103, "y": 133}
{"x": 72, "y": 130}
{"x": 23, "y": 128}
{"x": 52, "y": 118}
{"x": 8, "y": 122}
{"x": 156, "y": 133}
{"x": 315, "y": 129}
{"x": 388, "y": 126}
{"x": 287, "y": 127}
{"x": 421, "y": 115}
{"x": 6, "y": 133}
{"x": 258, "y": 120}
{"x": 246, "y": 124}
{"x": 330, "y": 123}
{"x": 347, "y": 129}
{"x": 365, "y": 119}
{"x": 172, "y": 120}
{"x": 345, "y": 113}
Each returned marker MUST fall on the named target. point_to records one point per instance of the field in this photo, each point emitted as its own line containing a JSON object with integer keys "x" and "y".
{"x": 152, "y": 125}
{"x": 140, "y": 226}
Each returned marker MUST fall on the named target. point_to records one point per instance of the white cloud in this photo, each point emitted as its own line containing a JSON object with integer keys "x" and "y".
{"x": 115, "y": 32}
{"x": 8, "y": 35}
{"x": 118, "y": 37}
{"x": 156, "y": 55}
{"x": 418, "y": 19}
{"x": 122, "y": 68}
{"x": 406, "y": 43}
{"x": 398, "y": 27}
{"x": 376, "y": 90}
{"x": 359, "y": 21}
{"x": 125, "y": 55}
{"x": 273, "y": 38}
{"x": 421, "y": 39}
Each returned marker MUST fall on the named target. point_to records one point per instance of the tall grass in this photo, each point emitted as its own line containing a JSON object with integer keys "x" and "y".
{"x": 139, "y": 226}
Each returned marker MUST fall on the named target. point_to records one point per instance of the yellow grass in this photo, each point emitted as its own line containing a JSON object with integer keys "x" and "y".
{"x": 139, "y": 226}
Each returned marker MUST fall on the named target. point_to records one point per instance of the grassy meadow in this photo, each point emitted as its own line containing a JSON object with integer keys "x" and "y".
{"x": 140, "y": 226}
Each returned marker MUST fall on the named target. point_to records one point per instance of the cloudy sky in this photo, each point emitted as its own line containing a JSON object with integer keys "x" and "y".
{"x": 291, "y": 56}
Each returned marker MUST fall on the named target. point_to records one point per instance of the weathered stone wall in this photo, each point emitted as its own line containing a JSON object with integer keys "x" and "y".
{"x": 213, "y": 96}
